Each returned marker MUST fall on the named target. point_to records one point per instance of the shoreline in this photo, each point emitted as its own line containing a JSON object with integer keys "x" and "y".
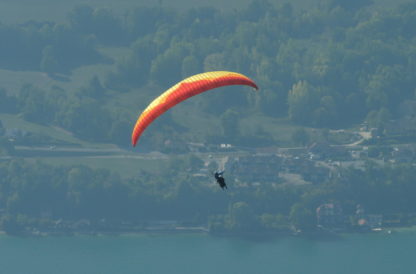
{"x": 320, "y": 235}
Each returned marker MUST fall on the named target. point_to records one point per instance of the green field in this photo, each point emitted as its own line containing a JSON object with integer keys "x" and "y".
{"x": 12, "y": 81}
{"x": 13, "y": 121}
{"x": 126, "y": 167}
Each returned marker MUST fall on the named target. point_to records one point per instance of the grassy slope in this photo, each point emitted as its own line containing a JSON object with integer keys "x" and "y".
{"x": 126, "y": 167}
{"x": 12, "y": 81}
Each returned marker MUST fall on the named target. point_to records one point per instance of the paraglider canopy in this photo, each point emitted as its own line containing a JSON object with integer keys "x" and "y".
{"x": 183, "y": 90}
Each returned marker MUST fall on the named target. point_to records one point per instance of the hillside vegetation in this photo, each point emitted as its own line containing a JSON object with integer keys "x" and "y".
{"x": 314, "y": 66}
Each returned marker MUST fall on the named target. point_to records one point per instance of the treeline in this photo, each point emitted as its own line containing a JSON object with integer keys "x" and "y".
{"x": 36, "y": 194}
{"x": 314, "y": 66}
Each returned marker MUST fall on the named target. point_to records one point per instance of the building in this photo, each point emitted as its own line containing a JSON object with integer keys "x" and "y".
{"x": 367, "y": 221}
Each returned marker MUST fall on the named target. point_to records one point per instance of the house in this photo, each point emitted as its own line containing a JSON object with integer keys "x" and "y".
{"x": 367, "y": 221}
{"x": 370, "y": 221}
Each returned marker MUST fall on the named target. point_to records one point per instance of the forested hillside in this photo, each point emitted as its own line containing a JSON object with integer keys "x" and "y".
{"x": 313, "y": 66}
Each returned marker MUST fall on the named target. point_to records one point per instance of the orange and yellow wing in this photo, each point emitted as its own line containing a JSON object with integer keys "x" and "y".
{"x": 183, "y": 90}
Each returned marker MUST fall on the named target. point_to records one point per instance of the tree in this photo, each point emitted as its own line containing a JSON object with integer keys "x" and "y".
{"x": 190, "y": 66}
{"x": 119, "y": 126}
{"x": 379, "y": 118}
{"x": 274, "y": 222}
{"x": 34, "y": 104}
{"x": 241, "y": 218}
{"x": 302, "y": 217}
{"x": 7, "y": 103}
{"x": 326, "y": 114}
{"x": 94, "y": 88}
{"x": 49, "y": 62}
{"x": 144, "y": 20}
{"x": 300, "y": 137}
{"x": 229, "y": 123}
{"x": 388, "y": 86}
{"x": 81, "y": 18}
{"x": 302, "y": 100}
{"x": 166, "y": 68}
{"x": 214, "y": 61}
{"x": 257, "y": 9}
{"x": 133, "y": 70}
{"x": 107, "y": 28}
{"x": 87, "y": 119}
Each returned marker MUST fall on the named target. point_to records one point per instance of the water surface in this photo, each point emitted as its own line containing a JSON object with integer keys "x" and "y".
{"x": 193, "y": 253}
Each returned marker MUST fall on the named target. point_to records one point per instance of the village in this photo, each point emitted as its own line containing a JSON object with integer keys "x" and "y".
{"x": 318, "y": 162}
{"x": 312, "y": 164}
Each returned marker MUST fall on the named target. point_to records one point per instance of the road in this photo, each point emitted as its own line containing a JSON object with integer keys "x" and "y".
{"x": 54, "y": 151}
{"x": 220, "y": 157}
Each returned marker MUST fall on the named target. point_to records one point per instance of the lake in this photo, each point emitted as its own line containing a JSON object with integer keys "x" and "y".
{"x": 198, "y": 253}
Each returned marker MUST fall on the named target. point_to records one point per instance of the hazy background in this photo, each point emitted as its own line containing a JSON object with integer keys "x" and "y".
{"x": 332, "y": 125}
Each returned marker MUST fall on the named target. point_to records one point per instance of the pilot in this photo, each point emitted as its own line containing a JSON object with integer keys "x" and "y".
{"x": 220, "y": 179}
